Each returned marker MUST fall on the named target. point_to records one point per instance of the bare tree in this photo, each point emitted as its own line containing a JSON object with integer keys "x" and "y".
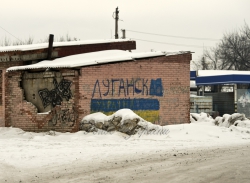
{"x": 61, "y": 39}
{"x": 201, "y": 64}
{"x": 14, "y": 43}
{"x": 7, "y": 41}
{"x": 246, "y": 30}
{"x": 195, "y": 65}
{"x": 29, "y": 40}
{"x": 212, "y": 57}
{"x": 232, "y": 52}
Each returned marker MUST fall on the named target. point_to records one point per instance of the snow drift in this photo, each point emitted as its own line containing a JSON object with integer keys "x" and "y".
{"x": 226, "y": 120}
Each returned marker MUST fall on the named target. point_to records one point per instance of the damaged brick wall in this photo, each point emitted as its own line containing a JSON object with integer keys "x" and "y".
{"x": 1, "y": 100}
{"x": 1, "y": 88}
{"x": 3, "y": 67}
{"x": 11, "y": 58}
{"x": 47, "y": 89}
{"x": 22, "y": 113}
{"x": 157, "y": 89}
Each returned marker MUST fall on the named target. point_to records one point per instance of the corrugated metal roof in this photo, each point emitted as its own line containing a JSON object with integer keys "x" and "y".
{"x": 93, "y": 59}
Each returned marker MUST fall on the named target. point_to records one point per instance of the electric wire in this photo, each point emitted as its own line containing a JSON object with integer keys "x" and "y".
{"x": 10, "y": 33}
{"x": 181, "y": 37}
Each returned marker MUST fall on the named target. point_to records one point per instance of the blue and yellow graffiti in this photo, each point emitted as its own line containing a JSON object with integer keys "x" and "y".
{"x": 146, "y": 108}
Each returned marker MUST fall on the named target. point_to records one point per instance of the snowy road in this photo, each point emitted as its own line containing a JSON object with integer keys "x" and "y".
{"x": 227, "y": 164}
{"x": 189, "y": 153}
{"x": 211, "y": 165}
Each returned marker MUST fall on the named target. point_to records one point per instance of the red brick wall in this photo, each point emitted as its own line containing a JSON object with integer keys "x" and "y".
{"x": 3, "y": 67}
{"x": 106, "y": 85}
{"x": 160, "y": 82}
{"x": 7, "y": 62}
{"x": 1, "y": 100}
{"x": 22, "y": 114}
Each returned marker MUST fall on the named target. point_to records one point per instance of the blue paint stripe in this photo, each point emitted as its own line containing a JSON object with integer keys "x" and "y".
{"x": 107, "y": 105}
{"x": 222, "y": 79}
{"x": 192, "y": 75}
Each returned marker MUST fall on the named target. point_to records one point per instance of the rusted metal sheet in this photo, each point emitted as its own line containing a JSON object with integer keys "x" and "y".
{"x": 72, "y": 50}
{"x": 62, "y": 51}
{"x": 27, "y": 57}
{"x": 4, "y": 58}
{"x": 38, "y": 56}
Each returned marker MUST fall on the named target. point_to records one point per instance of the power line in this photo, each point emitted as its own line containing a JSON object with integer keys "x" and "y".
{"x": 196, "y": 46}
{"x": 182, "y": 37}
{"x": 10, "y": 33}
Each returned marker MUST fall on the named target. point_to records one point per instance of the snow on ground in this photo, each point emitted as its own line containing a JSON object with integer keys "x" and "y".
{"x": 20, "y": 150}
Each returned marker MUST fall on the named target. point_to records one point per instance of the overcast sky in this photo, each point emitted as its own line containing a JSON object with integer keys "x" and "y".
{"x": 92, "y": 19}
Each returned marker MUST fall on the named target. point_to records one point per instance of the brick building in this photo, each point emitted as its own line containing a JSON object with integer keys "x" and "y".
{"x": 56, "y": 95}
{"x": 30, "y": 54}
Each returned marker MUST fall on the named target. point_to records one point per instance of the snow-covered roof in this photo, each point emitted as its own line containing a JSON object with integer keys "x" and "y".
{"x": 220, "y": 72}
{"x": 57, "y": 44}
{"x": 214, "y": 77}
{"x": 93, "y": 58}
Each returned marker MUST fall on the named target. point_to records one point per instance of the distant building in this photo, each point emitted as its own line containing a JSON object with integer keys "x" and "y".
{"x": 229, "y": 89}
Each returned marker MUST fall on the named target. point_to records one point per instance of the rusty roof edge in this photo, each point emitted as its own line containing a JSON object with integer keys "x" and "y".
{"x": 42, "y": 46}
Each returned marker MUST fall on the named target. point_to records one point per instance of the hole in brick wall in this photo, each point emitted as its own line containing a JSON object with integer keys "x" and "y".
{"x": 20, "y": 84}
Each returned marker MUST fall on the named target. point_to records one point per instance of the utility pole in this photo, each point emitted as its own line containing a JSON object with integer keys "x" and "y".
{"x": 116, "y": 23}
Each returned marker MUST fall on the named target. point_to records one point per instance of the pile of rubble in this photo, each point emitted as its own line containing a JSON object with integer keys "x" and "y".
{"x": 124, "y": 120}
{"x": 226, "y": 120}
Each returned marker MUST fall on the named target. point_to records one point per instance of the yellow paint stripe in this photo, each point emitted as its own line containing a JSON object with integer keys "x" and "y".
{"x": 148, "y": 115}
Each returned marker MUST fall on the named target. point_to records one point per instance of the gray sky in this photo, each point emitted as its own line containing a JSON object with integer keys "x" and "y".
{"x": 92, "y": 19}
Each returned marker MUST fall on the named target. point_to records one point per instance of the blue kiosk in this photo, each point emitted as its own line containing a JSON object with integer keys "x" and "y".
{"x": 229, "y": 89}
